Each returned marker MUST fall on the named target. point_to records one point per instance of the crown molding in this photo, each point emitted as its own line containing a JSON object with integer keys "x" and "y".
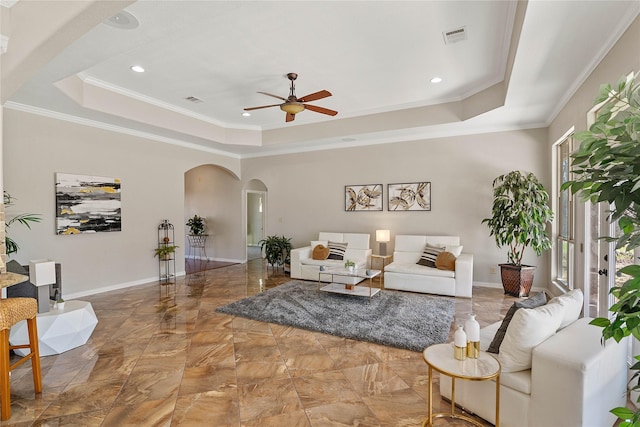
{"x": 119, "y": 129}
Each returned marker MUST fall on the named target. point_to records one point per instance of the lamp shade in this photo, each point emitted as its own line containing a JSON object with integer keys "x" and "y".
{"x": 42, "y": 272}
{"x": 292, "y": 107}
{"x": 383, "y": 235}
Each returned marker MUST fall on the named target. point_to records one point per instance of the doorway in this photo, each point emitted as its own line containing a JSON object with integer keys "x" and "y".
{"x": 256, "y": 212}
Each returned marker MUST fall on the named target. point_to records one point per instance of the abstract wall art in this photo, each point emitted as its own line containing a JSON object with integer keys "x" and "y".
{"x": 363, "y": 197}
{"x": 87, "y": 204}
{"x": 410, "y": 197}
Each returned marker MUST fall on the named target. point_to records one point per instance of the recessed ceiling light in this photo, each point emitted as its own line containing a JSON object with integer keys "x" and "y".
{"x": 436, "y": 80}
{"x": 246, "y": 114}
{"x": 137, "y": 69}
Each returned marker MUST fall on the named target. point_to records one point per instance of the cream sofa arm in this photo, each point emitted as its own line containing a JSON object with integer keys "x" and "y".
{"x": 297, "y": 255}
{"x": 576, "y": 380}
{"x": 464, "y": 275}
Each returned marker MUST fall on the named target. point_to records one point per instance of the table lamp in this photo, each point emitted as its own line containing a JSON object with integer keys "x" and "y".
{"x": 382, "y": 237}
{"x": 42, "y": 273}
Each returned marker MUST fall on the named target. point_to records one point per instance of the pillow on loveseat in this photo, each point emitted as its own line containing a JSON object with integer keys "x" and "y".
{"x": 429, "y": 255}
{"x": 337, "y": 250}
{"x": 531, "y": 302}
{"x": 320, "y": 252}
{"x": 572, "y": 302}
{"x": 446, "y": 261}
{"x": 528, "y": 328}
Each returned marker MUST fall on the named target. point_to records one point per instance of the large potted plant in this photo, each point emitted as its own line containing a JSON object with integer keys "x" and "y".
{"x": 520, "y": 215}
{"x": 606, "y": 168}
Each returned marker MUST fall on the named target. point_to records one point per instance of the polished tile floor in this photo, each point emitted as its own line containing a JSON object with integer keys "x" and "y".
{"x": 164, "y": 357}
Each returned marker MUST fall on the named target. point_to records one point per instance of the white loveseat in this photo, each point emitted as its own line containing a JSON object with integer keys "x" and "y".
{"x": 406, "y": 275}
{"x": 573, "y": 380}
{"x": 303, "y": 266}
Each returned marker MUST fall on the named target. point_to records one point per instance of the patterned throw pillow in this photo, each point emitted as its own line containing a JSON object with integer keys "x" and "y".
{"x": 320, "y": 252}
{"x": 337, "y": 250}
{"x": 429, "y": 255}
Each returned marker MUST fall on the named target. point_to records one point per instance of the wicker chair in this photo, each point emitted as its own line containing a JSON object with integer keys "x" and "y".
{"x": 13, "y": 310}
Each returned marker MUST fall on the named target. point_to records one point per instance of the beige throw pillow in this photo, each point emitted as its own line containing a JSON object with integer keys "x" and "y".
{"x": 446, "y": 261}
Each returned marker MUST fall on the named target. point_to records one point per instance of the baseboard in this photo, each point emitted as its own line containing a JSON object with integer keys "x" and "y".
{"x": 116, "y": 287}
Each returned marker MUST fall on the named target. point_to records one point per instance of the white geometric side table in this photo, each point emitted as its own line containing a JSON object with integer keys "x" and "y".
{"x": 58, "y": 330}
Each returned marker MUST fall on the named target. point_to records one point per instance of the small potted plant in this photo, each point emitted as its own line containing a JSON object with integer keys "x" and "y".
{"x": 350, "y": 265}
{"x": 60, "y": 303}
{"x": 164, "y": 251}
{"x": 196, "y": 225}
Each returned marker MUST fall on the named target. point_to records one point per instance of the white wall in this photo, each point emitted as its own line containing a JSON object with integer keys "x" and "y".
{"x": 152, "y": 174}
{"x": 306, "y": 190}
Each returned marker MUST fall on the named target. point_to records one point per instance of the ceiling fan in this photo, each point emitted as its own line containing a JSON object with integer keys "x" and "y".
{"x": 294, "y": 105}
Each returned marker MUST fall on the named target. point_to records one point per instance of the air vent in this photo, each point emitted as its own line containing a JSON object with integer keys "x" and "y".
{"x": 193, "y": 99}
{"x": 455, "y": 35}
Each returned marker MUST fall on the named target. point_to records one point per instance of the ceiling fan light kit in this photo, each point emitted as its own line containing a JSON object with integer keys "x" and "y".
{"x": 294, "y": 105}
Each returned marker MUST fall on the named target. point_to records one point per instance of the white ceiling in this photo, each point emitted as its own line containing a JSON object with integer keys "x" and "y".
{"x": 376, "y": 57}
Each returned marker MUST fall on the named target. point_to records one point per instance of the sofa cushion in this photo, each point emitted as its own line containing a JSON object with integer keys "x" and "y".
{"x": 418, "y": 270}
{"x": 446, "y": 261}
{"x": 320, "y": 252}
{"x": 336, "y": 250}
{"x": 572, "y": 302}
{"x": 528, "y": 328}
{"x": 531, "y": 302}
{"x": 429, "y": 255}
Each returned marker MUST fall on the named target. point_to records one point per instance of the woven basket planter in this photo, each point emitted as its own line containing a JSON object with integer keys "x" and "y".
{"x": 517, "y": 279}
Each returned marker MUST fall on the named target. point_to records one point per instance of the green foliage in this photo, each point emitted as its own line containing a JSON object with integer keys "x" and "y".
{"x": 520, "y": 215}
{"x": 196, "y": 224}
{"x": 25, "y": 219}
{"x": 164, "y": 250}
{"x": 348, "y": 263}
{"x": 277, "y": 249}
{"x": 606, "y": 168}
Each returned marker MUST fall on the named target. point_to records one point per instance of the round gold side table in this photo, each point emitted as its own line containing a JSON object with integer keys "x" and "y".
{"x": 439, "y": 357}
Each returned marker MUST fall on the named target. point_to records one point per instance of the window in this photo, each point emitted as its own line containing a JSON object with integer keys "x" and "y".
{"x": 564, "y": 223}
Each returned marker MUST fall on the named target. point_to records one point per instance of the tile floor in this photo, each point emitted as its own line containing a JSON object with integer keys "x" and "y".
{"x": 159, "y": 358}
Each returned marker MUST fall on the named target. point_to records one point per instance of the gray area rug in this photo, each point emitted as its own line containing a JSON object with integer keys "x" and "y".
{"x": 403, "y": 320}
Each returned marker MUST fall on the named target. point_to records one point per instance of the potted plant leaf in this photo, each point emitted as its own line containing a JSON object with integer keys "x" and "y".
{"x": 196, "y": 225}
{"x": 520, "y": 215}
{"x": 164, "y": 251}
{"x": 24, "y": 219}
{"x": 606, "y": 168}
{"x": 277, "y": 250}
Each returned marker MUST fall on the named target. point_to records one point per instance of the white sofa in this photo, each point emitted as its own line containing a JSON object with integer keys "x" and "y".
{"x": 573, "y": 381}
{"x": 406, "y": 275}
{"x": 304, "y": 267}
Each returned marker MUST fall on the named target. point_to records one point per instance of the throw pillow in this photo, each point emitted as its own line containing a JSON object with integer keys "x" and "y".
{"x": 320, "y": 252}
{"x": 315, "y": 243}
{"x": 531, "y": 302}
{"x": 572, "y": 302}
{"x": 429, "y": 255}
{"x": 337, "y": 250}
{"x": 446, "y": 261}
{"x": 456, "y": 250}
{"x": 528, "y": 328}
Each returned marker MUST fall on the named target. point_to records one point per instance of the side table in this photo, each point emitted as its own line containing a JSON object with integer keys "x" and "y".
{"x": 484, "y": 368}
{"x": 384, "y": 260}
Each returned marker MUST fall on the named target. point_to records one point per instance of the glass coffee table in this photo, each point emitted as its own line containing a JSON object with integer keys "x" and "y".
{"x": 351, "y": 289}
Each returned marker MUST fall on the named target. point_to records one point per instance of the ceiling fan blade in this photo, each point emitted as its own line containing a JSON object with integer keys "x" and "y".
{"x": 290, "y": 117}
{"x": 320, "y": 110}
{"x": 264, "y": 106}
{"x": 315, "y": 96}
{"x": 275, "y": 96}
